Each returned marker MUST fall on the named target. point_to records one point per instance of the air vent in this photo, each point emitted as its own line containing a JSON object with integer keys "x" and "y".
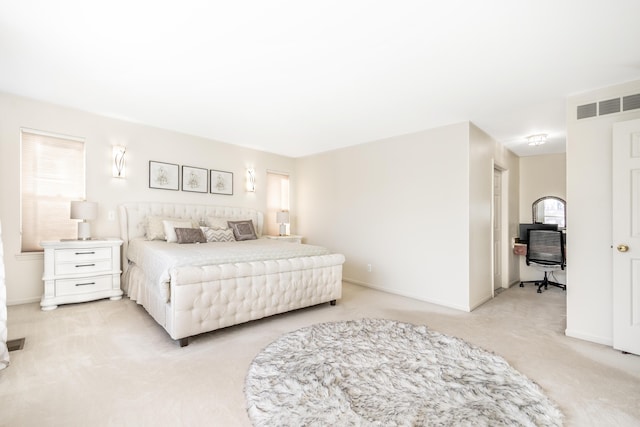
{"x": 17, "y": 344}
{"x": 609, "y": 107}
{"x": 631, "y": 102}
{"x": 587, "y": 110}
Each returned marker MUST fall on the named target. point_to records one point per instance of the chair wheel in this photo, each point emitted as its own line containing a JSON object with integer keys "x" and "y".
{"x": 539, "y": 291}
{"x": 521, "y": 285}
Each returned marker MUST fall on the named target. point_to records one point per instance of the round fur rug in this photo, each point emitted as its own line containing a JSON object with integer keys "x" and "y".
{"x": 385, "y": 373}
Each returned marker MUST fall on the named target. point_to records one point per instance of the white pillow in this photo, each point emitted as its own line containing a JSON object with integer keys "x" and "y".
{"x": 218, "y": 222}
{"x": 170, "y": 229}
{"x": 154, "y": 227}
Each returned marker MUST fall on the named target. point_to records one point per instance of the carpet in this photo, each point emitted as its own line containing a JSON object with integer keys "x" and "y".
{"x": 374, "y": 372}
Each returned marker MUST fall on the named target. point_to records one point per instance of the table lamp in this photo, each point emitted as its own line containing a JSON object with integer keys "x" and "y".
{"x": 282, "y": 217}
{"x": 85, "y": 211}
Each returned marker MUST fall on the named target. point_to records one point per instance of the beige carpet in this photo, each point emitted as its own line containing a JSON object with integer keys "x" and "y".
{"x": 107, "y": 363}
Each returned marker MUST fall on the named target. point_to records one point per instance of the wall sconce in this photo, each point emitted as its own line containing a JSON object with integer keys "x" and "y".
{"x": 251, "y": 180}
{"x": 118, "y": 161}
{"x": 85, "y": 211}
{"x": 536, "y": 140}
{"x": 282, "y": 217}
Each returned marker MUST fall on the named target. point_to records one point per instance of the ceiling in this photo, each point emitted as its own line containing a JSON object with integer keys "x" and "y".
{"x": 298, "y": 77}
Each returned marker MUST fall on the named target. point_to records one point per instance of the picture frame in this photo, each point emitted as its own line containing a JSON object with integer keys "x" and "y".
{"x": 195, "y": 179}
{"x": 221, "y": 182}
{"x": 165, "y": 176}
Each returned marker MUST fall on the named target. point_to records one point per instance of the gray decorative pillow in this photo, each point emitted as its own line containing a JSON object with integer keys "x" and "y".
{"x": 190, "y": 235}
{"x": 243, "y": 230}
{"x": 170, "y": 229}
{"x": 217, "y": 235}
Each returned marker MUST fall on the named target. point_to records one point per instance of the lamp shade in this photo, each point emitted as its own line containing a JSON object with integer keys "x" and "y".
{"x": 282, "y": 217}
{"x": 84, "y": 210}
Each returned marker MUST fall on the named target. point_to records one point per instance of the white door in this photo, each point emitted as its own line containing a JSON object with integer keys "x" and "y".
{"x": 497, "y": 229}
{"x": 626, "y": 236}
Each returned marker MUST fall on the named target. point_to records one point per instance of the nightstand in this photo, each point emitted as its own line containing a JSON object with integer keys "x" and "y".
{"x": 291, "y": 238}
{"x": 80, "y": 270}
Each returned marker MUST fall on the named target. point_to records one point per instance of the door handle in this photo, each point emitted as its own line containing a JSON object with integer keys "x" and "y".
{"x": 622, "y": 248}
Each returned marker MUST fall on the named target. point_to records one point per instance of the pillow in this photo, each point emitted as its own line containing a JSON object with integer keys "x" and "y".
{"x": 190, "y": 235}
{"x": 217, "y": 222}
{"x": 154, "y": 229}
{"x": 170, "y": 229}
{"x": 212, "y": 235}
{"x": 243, "y": 230}
{"x": 154, "y": 226}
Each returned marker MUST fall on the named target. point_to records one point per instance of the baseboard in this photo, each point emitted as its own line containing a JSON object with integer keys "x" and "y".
{"x": 23, "y": 301}
{"x": 591, "y": 338}
{"x": 405, "y": 294}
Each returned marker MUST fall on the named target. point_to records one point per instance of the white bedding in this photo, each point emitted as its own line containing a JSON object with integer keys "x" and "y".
{"x": 190, "y": 291}
{"x": 159, "y": 259}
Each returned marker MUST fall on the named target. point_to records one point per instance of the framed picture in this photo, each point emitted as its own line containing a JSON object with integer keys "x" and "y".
{"x": 221, "y": 182}
{"x": 163, "y": 175}
{"x": 195, "y": 179}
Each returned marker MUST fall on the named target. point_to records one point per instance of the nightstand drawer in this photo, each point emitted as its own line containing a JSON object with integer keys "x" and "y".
{"x": 83, "y": 286}
{"x": 77, "y": 255}
{"x": 83, "y": 267}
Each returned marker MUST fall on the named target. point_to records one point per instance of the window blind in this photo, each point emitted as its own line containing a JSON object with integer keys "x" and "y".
{"x": 53, "y": 174}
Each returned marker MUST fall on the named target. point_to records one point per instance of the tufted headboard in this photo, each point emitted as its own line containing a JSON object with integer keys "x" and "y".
{"x": 133, "y": 217}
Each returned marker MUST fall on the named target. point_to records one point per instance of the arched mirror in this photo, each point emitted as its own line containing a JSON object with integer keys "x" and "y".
{"x": 550, "y": 210}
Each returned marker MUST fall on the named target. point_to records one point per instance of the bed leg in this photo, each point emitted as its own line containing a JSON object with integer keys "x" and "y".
{"x": 183, "y": 342}
{"x": 332, "y": 302}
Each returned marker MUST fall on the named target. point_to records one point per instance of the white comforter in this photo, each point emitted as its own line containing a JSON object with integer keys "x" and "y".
{"x": 158, "y": 258}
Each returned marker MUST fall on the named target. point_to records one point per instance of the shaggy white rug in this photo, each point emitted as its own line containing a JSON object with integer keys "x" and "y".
{"x": 384, "y": 373}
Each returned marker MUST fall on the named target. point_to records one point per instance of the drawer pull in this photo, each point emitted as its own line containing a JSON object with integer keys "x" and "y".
{"x": 85, "y": 284}
{"x": 85, "y": 265}
{"x": 86, "y": 253}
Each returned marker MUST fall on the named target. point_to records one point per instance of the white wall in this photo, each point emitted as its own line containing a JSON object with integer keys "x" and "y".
{"x": 481, "y": 165}
{"x": 589, "y": 216}
{"x": 416, "y": 207}
{"x": 399, "y": 204}
{"x": 544, "y": 175}
{"x": 144, "y": 143}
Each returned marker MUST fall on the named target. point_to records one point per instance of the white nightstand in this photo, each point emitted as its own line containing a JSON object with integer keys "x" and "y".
{"x": 80, "y": 270}
{"x": 291, "y": 238}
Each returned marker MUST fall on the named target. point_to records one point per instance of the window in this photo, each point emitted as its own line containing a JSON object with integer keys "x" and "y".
{"x": 549, "y": 210}
{"x": 53, "y": 174}
{"x": 277, "y": 200}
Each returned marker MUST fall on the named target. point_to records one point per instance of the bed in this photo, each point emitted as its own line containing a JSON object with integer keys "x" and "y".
{"x": 193, "y": 288}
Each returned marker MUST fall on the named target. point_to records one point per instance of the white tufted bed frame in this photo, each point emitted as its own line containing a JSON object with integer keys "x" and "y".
{"x": 223, "y": 295}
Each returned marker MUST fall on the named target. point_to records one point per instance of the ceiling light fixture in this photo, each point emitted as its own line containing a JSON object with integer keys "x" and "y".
{"x": 538, "y": 139}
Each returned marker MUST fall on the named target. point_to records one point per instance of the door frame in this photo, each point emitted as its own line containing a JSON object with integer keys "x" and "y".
{"x": 504, "y": 227}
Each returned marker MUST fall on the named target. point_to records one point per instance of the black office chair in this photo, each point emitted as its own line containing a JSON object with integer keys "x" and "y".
{"x": 545, "y": 251}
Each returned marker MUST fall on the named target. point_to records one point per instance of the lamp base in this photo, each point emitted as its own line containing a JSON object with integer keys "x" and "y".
{"x": 84, "y": 231}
